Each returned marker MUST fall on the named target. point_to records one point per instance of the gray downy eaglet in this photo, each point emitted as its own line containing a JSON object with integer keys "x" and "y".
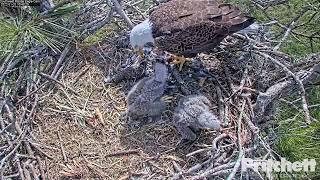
{"x": 144, "y": 98}
{"x": 193, "y": 114}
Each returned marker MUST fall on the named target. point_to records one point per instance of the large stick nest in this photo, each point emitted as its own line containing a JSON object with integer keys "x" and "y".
{"x": 60, "y": 119}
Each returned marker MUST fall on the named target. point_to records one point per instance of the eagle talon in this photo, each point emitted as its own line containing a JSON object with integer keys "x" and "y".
{"x": 180, "y": 60}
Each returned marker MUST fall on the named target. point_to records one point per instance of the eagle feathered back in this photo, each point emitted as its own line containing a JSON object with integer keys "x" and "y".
{"x": 187, "y": 27}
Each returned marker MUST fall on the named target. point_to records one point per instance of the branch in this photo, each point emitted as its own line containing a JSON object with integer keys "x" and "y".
{"x": 236, "y": 166}
{"x": 285, "y": 88}
{"x": 286, "y": 35}
{"x": 121, "y": 12}
{"x": 298, "y": 81}
{"x": 61, "y": 60}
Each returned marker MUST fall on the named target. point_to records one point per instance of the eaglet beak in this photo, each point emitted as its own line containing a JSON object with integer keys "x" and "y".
{"x": 139, "y": 52}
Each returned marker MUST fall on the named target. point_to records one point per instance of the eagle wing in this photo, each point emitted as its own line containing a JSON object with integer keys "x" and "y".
{"x": 187, "y": 27}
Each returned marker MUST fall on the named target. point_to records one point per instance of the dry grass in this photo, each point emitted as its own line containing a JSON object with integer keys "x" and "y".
{"x": 91, "y": 129}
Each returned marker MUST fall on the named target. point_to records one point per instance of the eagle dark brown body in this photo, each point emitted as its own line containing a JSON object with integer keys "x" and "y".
{"x": 188, "y": 27}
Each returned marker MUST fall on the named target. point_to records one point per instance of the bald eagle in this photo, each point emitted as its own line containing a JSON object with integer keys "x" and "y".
{"x": 187, "y": 27}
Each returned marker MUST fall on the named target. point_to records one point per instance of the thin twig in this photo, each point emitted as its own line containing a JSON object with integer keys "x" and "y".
{"x": 213, "y": 171}
{"x": 61, "y": 147}
{"x": 123, "y": 153}
{"x": 42, "y": 174}
{"x": 61, "y": 60}
{"x": 58, "y": 82}
{"x": 276, "y": 48}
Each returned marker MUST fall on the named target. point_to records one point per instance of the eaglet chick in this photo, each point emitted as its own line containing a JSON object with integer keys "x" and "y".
{"x": 144, "y": 98}
{"x": 193, "y": 114}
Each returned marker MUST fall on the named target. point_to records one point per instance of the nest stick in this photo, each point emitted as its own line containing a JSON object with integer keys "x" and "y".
{"x": 121, "y": 12}
{"x": 123, "y": 153}
{"x": 61, "y": 147}
{"x": 298, "y": 81}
